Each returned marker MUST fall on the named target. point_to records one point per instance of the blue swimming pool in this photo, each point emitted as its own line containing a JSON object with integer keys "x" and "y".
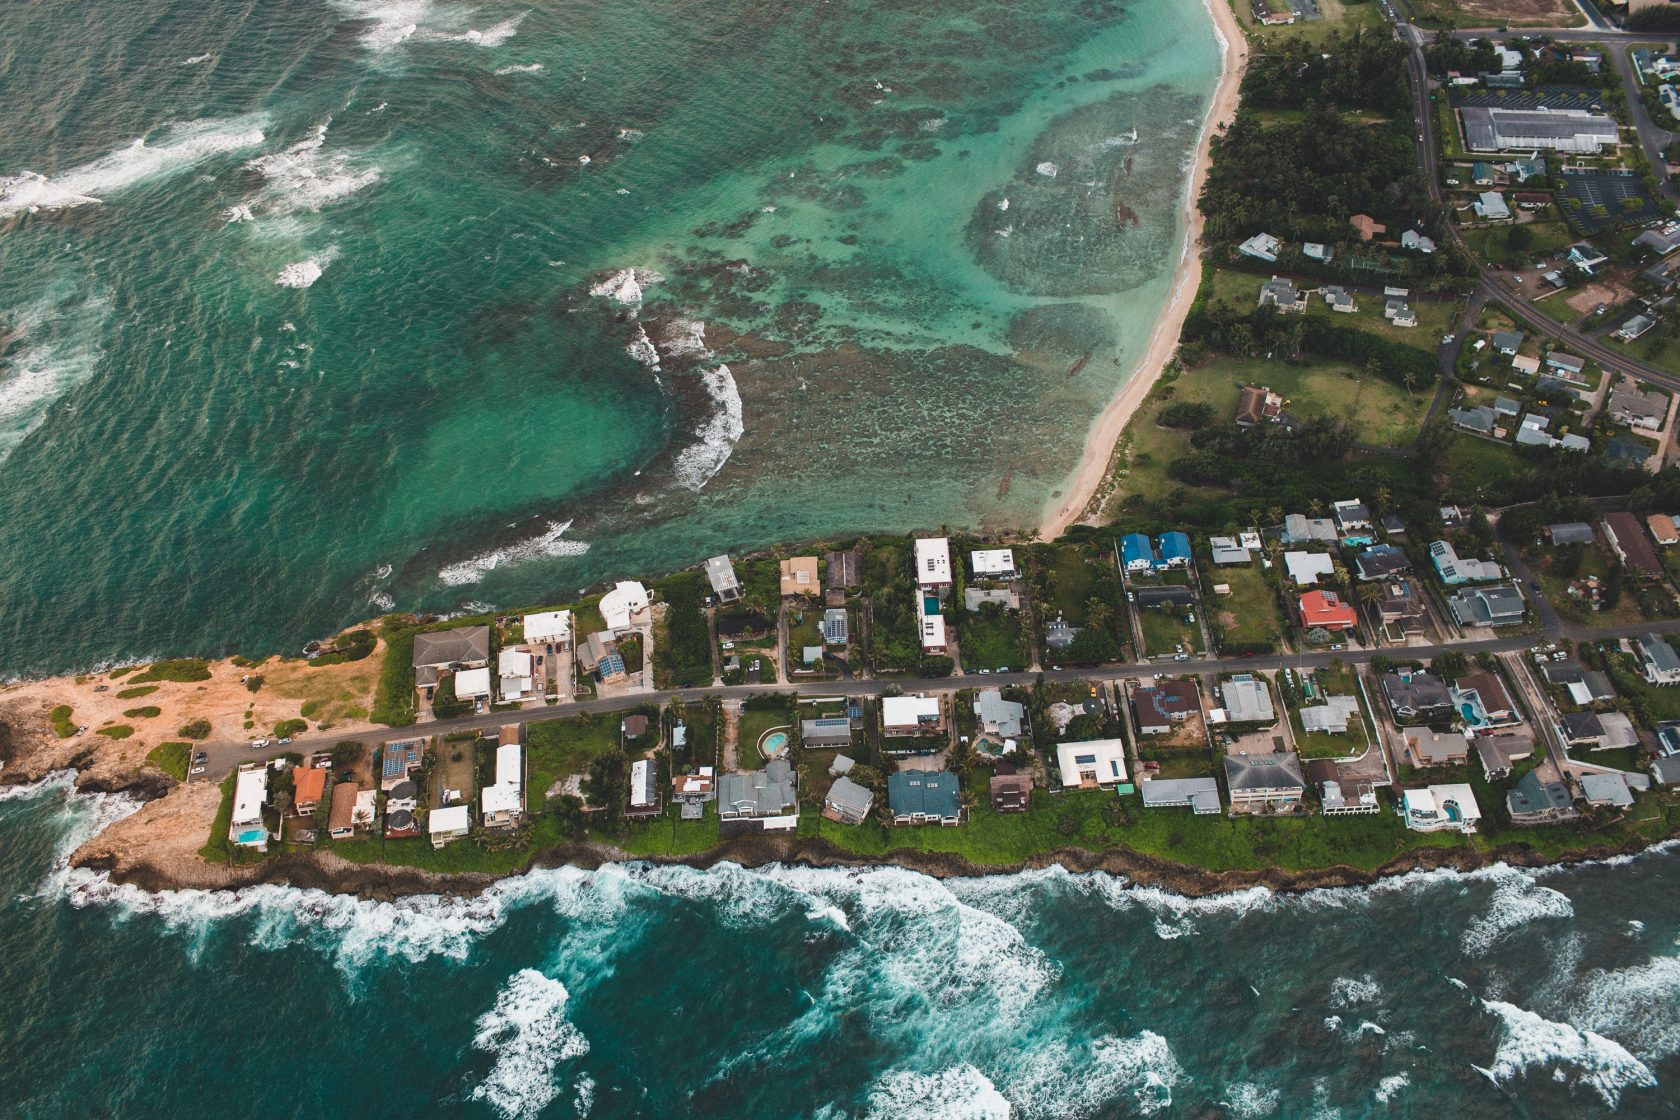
{"x": 253, "y": 836}
{"x": 774, "y": 745}
{"x": 1470, "y": 715}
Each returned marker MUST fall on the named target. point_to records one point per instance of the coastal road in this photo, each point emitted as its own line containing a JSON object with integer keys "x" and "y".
{"x": 225, "y": 756}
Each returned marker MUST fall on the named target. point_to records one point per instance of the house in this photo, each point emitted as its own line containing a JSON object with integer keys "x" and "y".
{"x": 1634, "y": 327}
{"x": 1663, "y": 528}
{"x": 644, "y": 791}
{"x": 1366, "y": 226}
{"x": 1331, "y": 717}
{"x": 473, "y": 684}
{"x": 975, "y": 598}
{"x": 1566, "y": 365}
{"x": 1282, "y": 294}
{"x": 1440, "y": 808}
{"x": 250, "y": 793}
{"x": 1632, "y": 547}
{"x": 1199, "y": 795}
{"x": 1169, "y": 596}
{"x": 1560, "y": 130}
{"x": 799, "y": 576}
{"x": 1627, "y": 450}
{"x": 720, "y": 573}
{"x": 1315, "y": 251}
{"x": 1454, "y": 570}
{"x": 1340, "y": 795}
{"x": 1307, "y": 568}
{"x": 1532, "y": 432}
{"x": 1226, "y": 551}
{"x": 1337, "y": 299}
{"x": 1382, "y": 561}
{"x": 1634, "y": 406}
{"x": 309, "y": 784}
{"x": 1264, "y": 779}
{"x": 1569, "y": 532}
{"x": 829, "y": 731}
{"x": 1397, "y": 312}
{"x": 1606, "y": 789}
{"x": 1416, "y": 694}
{"x": 1094, "y": 763}
{"x": 1257, "y": 403}
{"x": 1506, "y": 409}
{"x": 1481, "y": 698}
{"x": 1401, "y": 604}
{"x": 1011, "y": 789}
{"x": 1666, "y": 770}
{"x": 1174, "y": 549}
{"x": 924, "y": 797}
{"x": 1324, "y": 610}
{"x": 694, "y": 789}
{"x": 1158, "y": 708}
{"x": 1499, "y": 753}
{"x": 1532, "y": 801}
{"x": 835, "y": 630}
{"x": 1506, "y": 342}
{"x": 399, "y": 761}
{"x": 550, "y": 630}
{"x": 1499, "y": 605}
{"x": 341, "y": 816}
{"x": 1584, "y": 686}
{"x": 1524, "y": 364}
{"x": 1350, "y": 515}
{"x": 449, "y": 823}
{"x": 843, "y": 568}
{"x": 933, "y": 563}
{"x": 1429, "y": 747}
{"x": 597, "y": 655}
{"x": 1481, "y": 174}
{"x": 758, "y": 794}
{"x": 1480, "y": 420}
{"x": 1586, "y": 257}
{"x": 930, "y": 622}
{"x": 1658, "y": 661}
{"x": 1661, "y": 240}
{"x": 1597, "y": 731}
{"x": 1490, "y": 207}
{"x": 847, "y": 802}
{"x": 996, "y": 715}
{"x": 1247, "y": 699}
{"x": 1262, "y": 247}
{"x": 365, "y": 809}
{"x": 502, "y": 804}
{"x": 515, "y": 669}
{"x": 994, "y": 563}
{"x": 910, "y": 715}
{"x": 1300, "y": 529}
{"x": 626, "y": 599}
{"x": 1136, "y": 553}
{"x": 442, "y": 651}
{"x": 1416, "y": 242}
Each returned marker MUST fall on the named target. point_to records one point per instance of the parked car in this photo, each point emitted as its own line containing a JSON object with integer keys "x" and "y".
{"x": 196, "y": 770}
{"x": 258, "y": 744}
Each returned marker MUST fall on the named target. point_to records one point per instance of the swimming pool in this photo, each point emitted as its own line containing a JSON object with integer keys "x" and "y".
{"x": 253, "y": 836}
{"x": 1470, "y": 715}
{"x": 774, "y": 744}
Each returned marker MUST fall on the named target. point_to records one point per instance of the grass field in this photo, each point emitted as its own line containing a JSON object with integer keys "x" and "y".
{"x": 1071, "y": 579}
{"x": 754, "y": 723}
{"x": 556, "y": 748}
{"x": 1435, "y": 317}
{"x": 1664, "y": 353}
{"x": 991, "y": 641}
{"x": 1165, "y": 628}
{"x": 1475, "y": 469}
{"x": 1339, "y": 15}
{"x": 1491, "y": 244}
{"x": 171, "y": 758}
{"x": 1249, "y": 613}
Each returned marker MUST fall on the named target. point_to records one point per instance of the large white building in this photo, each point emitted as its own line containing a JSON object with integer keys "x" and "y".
{"x": 549, "y": 628}
{"x": 994, "y": 563}
{"x": 1443, "y": 807}
{"x": 250, "y": 792}
{"x": 933, "y": 562}
{"x": 625, "y": 599}
{"x": 1557, "y": 130}
{"x": 1095, "y": 762}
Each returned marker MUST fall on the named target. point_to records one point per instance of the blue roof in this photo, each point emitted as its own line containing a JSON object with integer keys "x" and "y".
{"x": 934, "y": 793}
{"x": 1135, "y": 546}
{"x": 1175, "y": 545}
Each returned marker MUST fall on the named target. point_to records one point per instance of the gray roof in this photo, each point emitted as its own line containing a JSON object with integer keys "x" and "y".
{"x": 1606, "y": 789}
{"x": 1201, "y": 794}
{"x": 1667, "y": 769}
{"x": 1498, "y": 752}
{"x": 1531, "y": 795}
{"x": 992, "y": 709}
{"x": 1570, "y": 532}
{"x": 721, "y": 573}
{"x": 1333, "y": 715}
{"x": 759, "y": 793}
{"x": 932, "y": 793}
{"x": 1499, "y": 605}
{"x": 1264, "y": 771}
{"x": 1418, "y": 692}
{"x": 1478, "y": 419}
{"x": 1611, "y": 729}
{"x": 1659, "y": 653}
{"x": 1628, "y": 397}
{"x": 850, "y": 798}
{"x": 1506, "y": 340}
{"x": 1505, "y": 406}
{"x": 1247, "y": 699}
{"x": 1597, "y": 683}
{"x": 452, "y": 647}
{"x": 1489, "y": 129}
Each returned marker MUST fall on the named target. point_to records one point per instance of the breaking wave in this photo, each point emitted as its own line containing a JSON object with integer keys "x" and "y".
{"x": 550, "y": 543}
{"x": 306, "y": 177}
{"x": 718, "y": 434}
{"x": 528, "y": 1032}
{"x": 304, "y": 273}
{"x": 58, "y": 349}
{"x": 1529, "y": 1041}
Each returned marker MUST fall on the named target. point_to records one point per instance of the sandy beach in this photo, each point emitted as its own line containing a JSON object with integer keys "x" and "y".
{"x": 1088, "y": 476}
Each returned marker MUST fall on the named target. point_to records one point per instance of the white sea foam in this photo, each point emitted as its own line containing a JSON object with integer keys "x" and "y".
{"x": 195, "y": 60}
{"x": 304, "y": 273}
{"x": 1057, "y": 1080}
{"x": 86, "y": 815}
{"x": 305, "y": 177}
{"x": 626, "y": 286}
{"x": 493, "y": 36}
{"x": 1583, "y": 1058}
{"x": 169, "y": 150}
{"x": 1248, "y": 1101}
{"x": 1389, "y": 1086}
{"x": 642, "y": 350}
{"x": 390, "y": 22}
{"x": 58, "y": 348}
{"x": 1047, "y": 169}
{"x": 528, "y": 68}
{"x": 683, "y": 336}
{"x": 1517, "y": 900}
{"x": 718, "y": 434}
{"x": 528, "y": 1032}
{"x": 551, "y": 542}
{"x": 583, "y": 1097}
{"x": 1347, "y": 991}
{"x": 238, "y": 214}
{"x": 959, "y": 1093}
{"x": 1640, "y": 1005}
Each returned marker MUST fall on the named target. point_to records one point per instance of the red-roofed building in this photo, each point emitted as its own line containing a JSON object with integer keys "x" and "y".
{"x": 1325, "y": 610}
{"x": 308, "y": 784}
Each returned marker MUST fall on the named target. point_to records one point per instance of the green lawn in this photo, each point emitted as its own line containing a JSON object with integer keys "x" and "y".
{"x": 1071, "y": 579}
{"x": 1165, "y": 628}
{"x": 1492, "y": 244}
{"x": 754, "y": 723}
{"x": 1653, "y": 347}
{"x": 1476, "y": 469}
{"x": 1434, "y": 317}
{"x": 1556, "y": 589}
{"x": 805, "y": 629}
{"x": 556, "y": 748}
{"x": 1339, "y": 15}
{"x": 991, "y": 640}
{"x": 171, "y": 758}
{"x": 1248, "y": 615}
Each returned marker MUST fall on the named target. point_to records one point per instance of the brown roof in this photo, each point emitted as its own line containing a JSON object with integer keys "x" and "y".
{"x": 635, "y": 726}
{"x": 1251, "y": 408}
{"x": 1637, "y": 550}
{"x": 799, "y": 576}
{"x": 343, "y": 804}
{"x": 1662, "y": 526}
{"x": 510, "y": 735}
{"x": 1366, "y": 226}
{"x": 1011, "y": 791}
{"x": 307, "y": 785}
{"x": 1490, "y": 688}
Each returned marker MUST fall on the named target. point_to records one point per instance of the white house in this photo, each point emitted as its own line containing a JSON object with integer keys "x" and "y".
{"x": 250, "y": 793}
{"x": 1306, "y": 568}
{"x": 1440, "y": 808}
{"x": 1262, "y": 246}
{"x": 549, "y": 628}
{"x": 1416, "y": 242}
{"x": 933, "y": 562}
{"x": 1093, "y": 763}
{"x": 625, "y": 599}
{"x": 504, "y": 803}
{"x": 1490, "y": 206}
{"x": 514, "y": 669}
{"x": 909, "y": 715}
{"x": 448, "y": 823}
{"x": 994, "y": 563}
{"x": 472, "y": 684}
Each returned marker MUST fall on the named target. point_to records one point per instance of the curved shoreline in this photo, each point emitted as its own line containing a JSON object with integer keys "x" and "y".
{"x": 1086, "y": 479}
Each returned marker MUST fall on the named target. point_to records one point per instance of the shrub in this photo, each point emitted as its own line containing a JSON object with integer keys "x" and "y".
{"x": 136, "y": 693}
{"x": 445, "y": 704}
{"x": 182, "y": 670}
{"x": 347, "y": 753}
{"x": 171, "y": 758}
{"x": 1185, "y": 414}
{"x": 116, "y": 731}
{"x": 393, "y": 704}
{"x": 61, "y": 721}
{"x": 353, "y": 646}
{"x": 146, "y": 712}
{"x": 310, "y": 707}
{"x": 286, "y": 728}
{"x": 122, "y": 671}
{"x": 197, "y": 729}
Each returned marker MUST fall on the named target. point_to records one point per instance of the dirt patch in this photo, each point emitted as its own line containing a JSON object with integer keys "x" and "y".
{"x": 1495, "y": 13}
{"x": 1583, "y": 300}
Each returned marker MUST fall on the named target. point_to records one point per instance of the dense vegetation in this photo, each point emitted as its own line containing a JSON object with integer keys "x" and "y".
{"x": 685, "y": 653}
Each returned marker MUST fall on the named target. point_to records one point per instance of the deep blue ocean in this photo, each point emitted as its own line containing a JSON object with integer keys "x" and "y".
{"x": 638, "y": 991}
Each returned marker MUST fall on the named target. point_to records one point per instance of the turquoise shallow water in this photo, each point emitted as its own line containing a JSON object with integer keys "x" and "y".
{"x": 315, "y": 310}
{"x": 643, "y": 992}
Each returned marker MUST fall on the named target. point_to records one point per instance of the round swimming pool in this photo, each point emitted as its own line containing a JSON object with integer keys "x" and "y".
{"x": 774, "y": 744}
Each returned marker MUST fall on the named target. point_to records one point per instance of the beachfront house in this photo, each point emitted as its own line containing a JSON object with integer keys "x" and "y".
{"x": 1199, "y": 795}
{"x": 1440, "y": 808}
{"x": 994, "y": 564}
{"x": 1264, "y": 781}
{"x": 309, "y": 785}
{"x": 720, "y": 573}
{"x": 644, "y": 790}
{"x": 548, "y": 631}
{"x": 447, "y": 824}
{"x": 933, "y": 564}
{"x": 798, "y": 576}
{"x": 250, "y": 794}
{"x": 924, "y": 797}
{"x": 847, "y": 802}
{"x": 620, "y": 605}
{"x": 447, "y": 651}
{"x": 1092, "y": 764}
{"x": 1532, "y": 801}
{"x": 766, "y": 794}
{"x": 341, "y": 815}
{"x": 1658, "y": 661}
{"x": 502, "y": 804}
